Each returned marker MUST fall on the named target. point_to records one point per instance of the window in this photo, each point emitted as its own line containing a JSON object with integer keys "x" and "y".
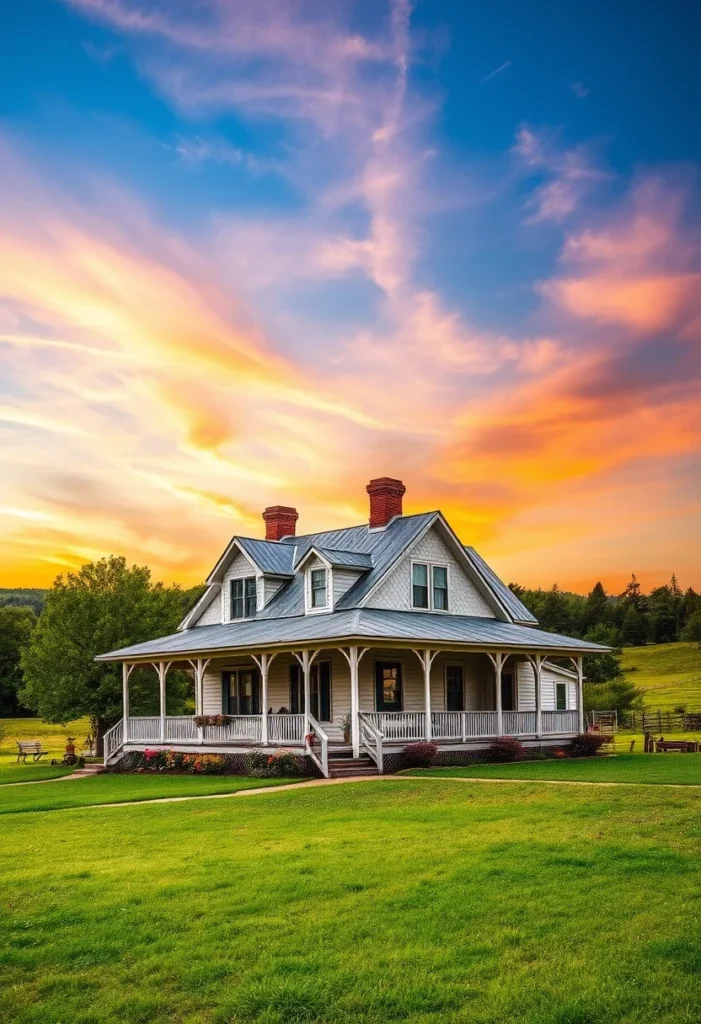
{"x": 561, "y": 696}
{"x": 419, "y": 585}
{"x": 319, "y": 691}
{"x": 241, "y": 692}
{"x": 440, "y": 588}
{"x": 319, "y": 590}
{"x": 244, "y": 599}
{"x": 454, "y": 688}
{"x": 388, "y": 686}
{"x": 508, "y": 699}
{"x": 429, "y": 586}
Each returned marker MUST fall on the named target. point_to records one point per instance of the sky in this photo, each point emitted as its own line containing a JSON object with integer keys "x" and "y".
{"x": 257, "y": 252}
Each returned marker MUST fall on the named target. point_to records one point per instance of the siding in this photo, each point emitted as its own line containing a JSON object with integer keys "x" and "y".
{"x": 343, "y": 580}
{"x": 463, "y": 598}
{"x": 548, "y": 677}
{"x": 212, "y": 615}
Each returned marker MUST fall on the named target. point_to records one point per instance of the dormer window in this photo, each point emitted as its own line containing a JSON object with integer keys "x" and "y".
{"x": 244, "y": 598}
{"x": 429, "y": 586}
{"x": 319, "y": 590}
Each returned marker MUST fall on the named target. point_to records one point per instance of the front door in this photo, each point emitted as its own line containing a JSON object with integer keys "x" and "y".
{"x": 241, "y": 692}
{"x": 320, "y": 691}
{"x": 388, "y": 686}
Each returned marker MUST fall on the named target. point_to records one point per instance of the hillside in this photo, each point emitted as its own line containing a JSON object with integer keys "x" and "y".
{"x": 670, "y": 674}
{"x": 29, "y": 597}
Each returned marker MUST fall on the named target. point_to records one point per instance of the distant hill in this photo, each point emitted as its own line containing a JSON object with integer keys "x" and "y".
{"x": 25, "y": 597}
{"x": 670, "y": 674}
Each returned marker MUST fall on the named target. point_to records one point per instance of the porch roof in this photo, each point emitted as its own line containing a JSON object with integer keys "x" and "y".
{"x": 362, "y": 624}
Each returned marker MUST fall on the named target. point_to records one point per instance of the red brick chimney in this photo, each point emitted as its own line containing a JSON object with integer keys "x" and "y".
{"x": 280, "y": 522}
{"x": 385, "y": 499}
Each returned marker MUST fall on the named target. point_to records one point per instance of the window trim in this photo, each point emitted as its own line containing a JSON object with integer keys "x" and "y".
{"x": 243, "y": 580}
{"x": 430, "y": 566}
{"x": 318, "y": 609}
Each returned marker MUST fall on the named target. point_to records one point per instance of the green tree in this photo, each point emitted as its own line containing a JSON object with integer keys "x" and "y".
{"x": 105, "y": 606}
{"x": 616, "y": 695}
{"x": 596, "y": 611}
{"x": 16, "y": 626}
{"x": 601, "y": 668}
{"x": 634, "y": 629}
{"x": 692, "y": 630}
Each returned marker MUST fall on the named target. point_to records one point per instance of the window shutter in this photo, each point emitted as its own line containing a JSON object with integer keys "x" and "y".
{"x": 225, "y": 688}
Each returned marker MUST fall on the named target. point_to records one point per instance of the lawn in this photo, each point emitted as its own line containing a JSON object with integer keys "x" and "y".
{"x": 399, "y": 900}
{"x": 53, "y": 739}
{"x": 670, "y": 674}
{"x": 671, "y": 768}
{"x": 110, "y": 789}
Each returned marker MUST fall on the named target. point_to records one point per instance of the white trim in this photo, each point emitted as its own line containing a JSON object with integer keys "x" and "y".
{"x": 205, "y": 600}
{"x": 321, "y": 609}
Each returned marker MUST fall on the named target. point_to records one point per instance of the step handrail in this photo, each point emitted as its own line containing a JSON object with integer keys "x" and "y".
{"x": 371, "y": 739}
{"x": 316, "y": 731}
{"x": 115, "y": 733}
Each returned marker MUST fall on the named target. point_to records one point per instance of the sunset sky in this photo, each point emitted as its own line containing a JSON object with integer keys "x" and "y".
{"x": 257, "y": 252}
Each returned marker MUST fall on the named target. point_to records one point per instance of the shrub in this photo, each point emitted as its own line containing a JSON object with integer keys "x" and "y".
{"x": 506, "y": 748}
{"x": 177, "y": 761}
{"x": 281, "y": 764}
{"x": 420, "y": 755}
{"x": 587, "y": 744}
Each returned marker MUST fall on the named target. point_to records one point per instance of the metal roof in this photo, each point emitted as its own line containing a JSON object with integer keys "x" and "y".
{"x": 342, "y": 559}
{"x": 362, "y": 623}
{"x": 270, "y": 556}
{"x": 384, "y": 547}
{"x": 516, "y": 608}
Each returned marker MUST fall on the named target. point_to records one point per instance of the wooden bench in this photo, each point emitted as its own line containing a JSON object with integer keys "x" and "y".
{"x": 686, "y": 746}
{"x": 32, "y": 747}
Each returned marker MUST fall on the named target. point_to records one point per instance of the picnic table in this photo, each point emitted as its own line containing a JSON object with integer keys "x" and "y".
{"x": 685, "y": 746}
{"x": 27, "y": 747}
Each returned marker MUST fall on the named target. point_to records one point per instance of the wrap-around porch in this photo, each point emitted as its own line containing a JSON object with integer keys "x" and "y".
{"x": 360, "y": 699}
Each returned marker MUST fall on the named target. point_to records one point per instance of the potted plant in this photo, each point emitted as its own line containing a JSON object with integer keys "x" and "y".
{"x": 346, "y": 726}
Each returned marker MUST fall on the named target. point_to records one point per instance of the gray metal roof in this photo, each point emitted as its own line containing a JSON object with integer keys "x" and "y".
{"x": 343, "y": 559}
{"x": 384, "y": 547}
{"x": 362, "y": 623}
{"x": 270, "y": 556}
{"x": 507, "y": 597}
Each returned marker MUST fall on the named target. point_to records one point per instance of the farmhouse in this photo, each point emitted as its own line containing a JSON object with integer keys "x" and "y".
{"x": 351, "y": 643}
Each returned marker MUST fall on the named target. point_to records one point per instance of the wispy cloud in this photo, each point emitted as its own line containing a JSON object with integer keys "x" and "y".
{"x": 496, "y": 71}
{"x": 569, "y": 175}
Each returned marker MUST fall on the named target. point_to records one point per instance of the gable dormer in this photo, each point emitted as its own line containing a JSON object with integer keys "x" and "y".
{"x": 328, "y": 574}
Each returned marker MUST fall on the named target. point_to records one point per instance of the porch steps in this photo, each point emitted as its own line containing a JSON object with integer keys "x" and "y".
{"x": 343, "y": 767}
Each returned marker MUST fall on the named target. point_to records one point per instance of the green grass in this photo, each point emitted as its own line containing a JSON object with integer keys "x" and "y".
{"x": 670, "y": 674}
{"x": 110, "y": 789}
{"x": 53, "y": 740}
{"x": 396, "y": 901}
{"x": 678, "y": 769}
{"x": 30, "y": 772}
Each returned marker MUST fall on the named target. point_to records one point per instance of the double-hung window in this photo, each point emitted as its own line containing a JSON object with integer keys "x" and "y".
{"x": 318, "y": 585}
{"x": 244, "y": 601}
{"x": 429, "y": 586}
{"x": 561, "y": 696}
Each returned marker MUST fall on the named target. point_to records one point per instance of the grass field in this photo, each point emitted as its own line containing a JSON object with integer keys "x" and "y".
{"x": 670, "y": 674}
{"x": 393, "y": 901}
{"x": 53, "y": 739}
{"x": 671, "y": 768}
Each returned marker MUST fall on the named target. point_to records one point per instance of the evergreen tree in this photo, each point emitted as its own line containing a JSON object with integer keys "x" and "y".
{"x": 634, "y": 630}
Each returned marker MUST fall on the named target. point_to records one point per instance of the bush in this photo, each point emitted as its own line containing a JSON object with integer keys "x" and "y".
{"x": 587, "y": 744}
{"x": 281, "y": 764}
{"x": 420, "y": 755}
{"x": 506, "y": 748}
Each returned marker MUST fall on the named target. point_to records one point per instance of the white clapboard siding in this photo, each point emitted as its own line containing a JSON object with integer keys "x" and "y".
{"x": 463, "y": 596}
{"x": 212, "y": 615}
{"x": 549, "y": 676}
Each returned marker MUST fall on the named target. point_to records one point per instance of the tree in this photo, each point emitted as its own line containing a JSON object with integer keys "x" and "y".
{"x": 692, "y": 630}
{"x": 633, "y": 593}
{"x": 602, "y": 668}
{"x": 16, "y": 625}
{"x": 555, "y": 613}
{"x": 596, "y": 611}
{"x": 616, "y": 695}
{"x": 634, "y": 631}
{"x": 105, "y": 606}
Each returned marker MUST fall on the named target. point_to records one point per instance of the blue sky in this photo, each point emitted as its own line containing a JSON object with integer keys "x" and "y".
{"x": 457, "y": 242}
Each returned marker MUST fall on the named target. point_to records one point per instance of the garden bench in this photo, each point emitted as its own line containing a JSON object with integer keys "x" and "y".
{"x": 32, "y": 747}
{"x": 686, "y": 746}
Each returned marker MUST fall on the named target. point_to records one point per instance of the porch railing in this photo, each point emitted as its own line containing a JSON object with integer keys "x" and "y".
{"x": 371, "y": 738}
{"x": 397, "y": 725}
{"x": 463, "y": 725}
{"x": 144, "y": 729}
{"x": 286, "y": 729}
{"x": 519, "y": 723}
{"x": 113, "y": 740}
{"x": 559, "y": 722}
{"x": 317, "y": 746}
{"x": 181, "y": 728}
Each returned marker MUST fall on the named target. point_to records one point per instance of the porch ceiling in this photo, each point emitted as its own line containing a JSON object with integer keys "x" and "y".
{"x": 364, "y": 625}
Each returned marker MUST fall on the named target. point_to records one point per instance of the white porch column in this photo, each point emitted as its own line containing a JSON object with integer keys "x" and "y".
{"x": 199, "y": 667}
{"x": 537, "y": 671}
{"x": 162, "y": 669}
{"x": 579, "y": 663}
{"x": 354, "y": 656}
{"x": 306, "y": 659}
{"x": 426, "y": 658}
{"x": 126, "y": 672}
{"x": 498, "y": 659}
{"x": 264, "y": 664}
